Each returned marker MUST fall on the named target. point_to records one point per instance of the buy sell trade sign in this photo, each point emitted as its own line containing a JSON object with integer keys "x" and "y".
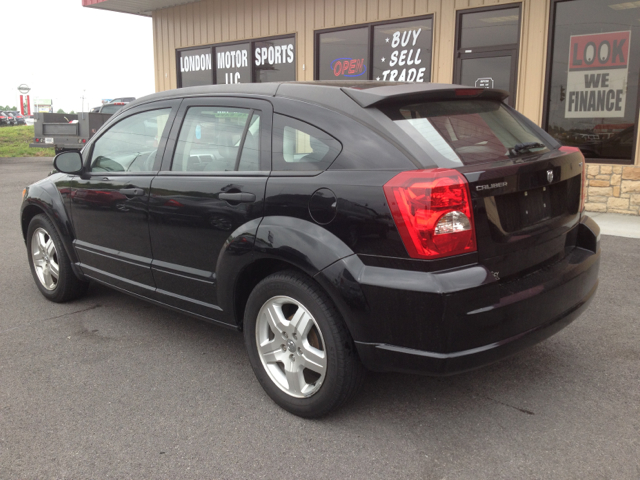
{"x": 597, "y": 77}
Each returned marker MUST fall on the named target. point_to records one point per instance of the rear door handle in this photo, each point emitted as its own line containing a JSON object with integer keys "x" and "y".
{"x": 132, "y": 192}
{"x": 238, "y": 197}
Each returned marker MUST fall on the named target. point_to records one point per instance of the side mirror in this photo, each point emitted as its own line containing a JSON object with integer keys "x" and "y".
{"x": 68, "y": 162}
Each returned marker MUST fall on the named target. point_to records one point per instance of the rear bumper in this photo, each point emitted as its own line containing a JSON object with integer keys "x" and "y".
{"x": 382, "y": 357}
{"x": 448, "y": 322}
{"x": 68, "y": 146}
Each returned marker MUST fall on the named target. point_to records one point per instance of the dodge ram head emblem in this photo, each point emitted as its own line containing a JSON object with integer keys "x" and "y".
{"x": 550, "y": 176}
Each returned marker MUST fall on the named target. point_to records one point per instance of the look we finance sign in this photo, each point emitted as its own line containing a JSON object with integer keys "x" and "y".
{"x": 597, "y": 77}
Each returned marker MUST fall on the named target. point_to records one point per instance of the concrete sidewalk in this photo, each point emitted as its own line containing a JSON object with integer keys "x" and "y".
{"x": 617, "y": 224}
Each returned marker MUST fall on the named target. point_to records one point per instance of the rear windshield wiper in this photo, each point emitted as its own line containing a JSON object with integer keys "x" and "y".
{"x": 525, "y": 147}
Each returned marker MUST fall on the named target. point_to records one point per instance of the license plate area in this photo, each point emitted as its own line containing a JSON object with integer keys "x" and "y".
{"x": 48, "y": 140}
{"x": 527, "y": 208}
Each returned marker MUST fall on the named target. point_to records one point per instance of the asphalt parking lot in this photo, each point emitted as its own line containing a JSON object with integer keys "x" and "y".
{"x": 113, "y": 387}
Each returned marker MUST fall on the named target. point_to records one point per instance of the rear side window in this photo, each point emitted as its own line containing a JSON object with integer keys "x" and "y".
{"x": 299, "y": 146}
{"x": 467, "y": 131}
{"x": 218, "y": 139}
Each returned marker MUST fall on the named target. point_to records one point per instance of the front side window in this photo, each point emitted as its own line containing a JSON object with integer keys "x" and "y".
{"x": 131, "y": 144}
{"x": 212, "y": 139}
{"x": 592, "y": 96}
{"x": 300, "y": 146}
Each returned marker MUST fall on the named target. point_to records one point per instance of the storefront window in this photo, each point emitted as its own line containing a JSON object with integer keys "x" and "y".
{"x": 275, "y": 60}
{"x": 343, "y": 55}
{"x": 402, "y": 51}
{"x": 195, "y": 67}
{"x": 592, "y": 96}
{"x": 490, "y": 28}
{"x": 398, "y": 51}
{"x": 233, "y": 63}
{"x": 263, "y": 60}
{"x": 487, "y": 45}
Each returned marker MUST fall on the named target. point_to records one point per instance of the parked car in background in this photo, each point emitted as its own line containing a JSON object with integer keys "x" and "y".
{"x": 108, "y": 107}
{"x": 422, "y": 228}
{"x": 4, "y": 120}
{"x": 618, "y": 145}
{"x": 123, "y": 99}
{"x": 20, "y": 119}
{"x": 112, "y": 107}
{"x": 12, "y": 119}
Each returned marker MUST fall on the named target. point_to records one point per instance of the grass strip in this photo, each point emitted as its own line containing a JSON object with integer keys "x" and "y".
{"x": 14, "y": 142}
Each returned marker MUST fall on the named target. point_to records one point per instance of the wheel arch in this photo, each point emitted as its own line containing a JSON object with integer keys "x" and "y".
{"x": 280, "y": 243}
{"x": 42, "y": 201}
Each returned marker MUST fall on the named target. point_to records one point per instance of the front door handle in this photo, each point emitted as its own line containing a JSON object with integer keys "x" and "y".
{"x": 132, "y": 192}
{"x": 240, "y": 197}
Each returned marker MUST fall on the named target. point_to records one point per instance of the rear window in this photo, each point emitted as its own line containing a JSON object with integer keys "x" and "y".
{"x": 467, "y": 132}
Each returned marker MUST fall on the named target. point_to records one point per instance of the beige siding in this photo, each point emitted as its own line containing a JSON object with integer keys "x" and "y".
{"x": 217, "y": 21}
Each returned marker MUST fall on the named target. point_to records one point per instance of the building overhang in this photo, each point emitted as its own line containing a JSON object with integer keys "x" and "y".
{"x": 135, "y": 7}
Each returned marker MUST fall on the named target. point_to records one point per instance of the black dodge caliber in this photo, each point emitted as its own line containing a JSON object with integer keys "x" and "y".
{"x": 341, "y": 226}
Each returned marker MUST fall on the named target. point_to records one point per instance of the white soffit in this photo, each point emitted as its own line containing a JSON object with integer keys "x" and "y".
{"x": 136, "y": 7}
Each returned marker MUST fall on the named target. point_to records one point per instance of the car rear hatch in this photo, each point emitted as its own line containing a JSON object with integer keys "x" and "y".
{"x": 525, "y": 189}
{"x": 525, "y": 212}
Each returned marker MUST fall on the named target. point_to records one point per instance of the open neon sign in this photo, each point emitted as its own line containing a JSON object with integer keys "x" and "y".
{"x": 348, "y": 67}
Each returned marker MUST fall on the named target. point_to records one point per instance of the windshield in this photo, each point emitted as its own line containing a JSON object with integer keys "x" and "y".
{"x": 467, "y": 132}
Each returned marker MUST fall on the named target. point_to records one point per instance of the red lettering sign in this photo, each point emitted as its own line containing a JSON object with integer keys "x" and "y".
{"x": 348, "y": 67}
{"x": 599, "y": 51}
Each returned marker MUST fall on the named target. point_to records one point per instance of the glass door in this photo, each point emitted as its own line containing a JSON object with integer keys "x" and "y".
{"x": 487, "y": 49}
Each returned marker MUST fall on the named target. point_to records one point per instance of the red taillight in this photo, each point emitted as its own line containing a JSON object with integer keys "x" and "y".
{"x": 583, "y": 184}
{"x": 433, "y": 213}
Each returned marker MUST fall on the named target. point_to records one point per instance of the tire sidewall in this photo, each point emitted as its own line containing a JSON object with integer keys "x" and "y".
{"x": 281, "y": 284}
{"x": 39, "y": 221}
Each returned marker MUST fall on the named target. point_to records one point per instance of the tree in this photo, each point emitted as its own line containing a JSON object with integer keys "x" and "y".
{"x": 72, "y": 112}
{"x": 60, "y": 111}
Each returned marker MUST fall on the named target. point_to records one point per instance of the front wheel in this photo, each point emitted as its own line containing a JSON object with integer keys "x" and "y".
{"x": 50, "y": 265}
{"x": 298, "y": 346}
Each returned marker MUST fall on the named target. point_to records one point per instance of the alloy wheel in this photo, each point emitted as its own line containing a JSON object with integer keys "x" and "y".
{"x": 45, "y": 259}
{"x": 291, "y": 347}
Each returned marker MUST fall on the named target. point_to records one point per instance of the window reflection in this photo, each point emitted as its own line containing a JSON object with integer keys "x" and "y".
{"x": 593, "y": 92}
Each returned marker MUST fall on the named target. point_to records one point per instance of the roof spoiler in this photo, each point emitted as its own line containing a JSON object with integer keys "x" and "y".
{"x": 413, "y": 92}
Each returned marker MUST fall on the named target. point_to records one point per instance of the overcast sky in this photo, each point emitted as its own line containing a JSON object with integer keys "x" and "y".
{"x": 61, "y": 50}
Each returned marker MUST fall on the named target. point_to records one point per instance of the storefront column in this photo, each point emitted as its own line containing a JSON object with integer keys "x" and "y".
{"x": 533, "y": 58}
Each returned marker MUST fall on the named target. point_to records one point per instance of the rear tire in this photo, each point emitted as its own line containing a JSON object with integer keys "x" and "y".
{"x": 50, "y": 265}
{"x": 299, "y": 347}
